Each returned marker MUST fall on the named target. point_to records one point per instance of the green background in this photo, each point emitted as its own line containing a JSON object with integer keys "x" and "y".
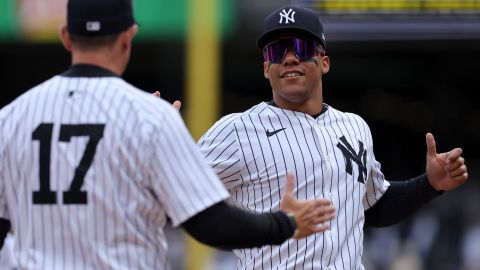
{"x": 159, "y": 20}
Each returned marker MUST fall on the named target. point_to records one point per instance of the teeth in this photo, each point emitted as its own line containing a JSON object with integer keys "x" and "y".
{"x": 292, "y": 74}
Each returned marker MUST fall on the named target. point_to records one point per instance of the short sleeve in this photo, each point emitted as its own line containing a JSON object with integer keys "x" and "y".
{"x": 182, "y": 180}
{"x": 376, "y": 184}
{"x": 219, "y": 146}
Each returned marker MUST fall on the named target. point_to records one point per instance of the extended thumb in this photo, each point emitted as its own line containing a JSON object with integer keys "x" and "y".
{"x": 290, "y": 184}
{"x": 431, "y": 145}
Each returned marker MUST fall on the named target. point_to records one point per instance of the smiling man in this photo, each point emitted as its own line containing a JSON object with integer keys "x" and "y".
{"x": 329, "y": 151}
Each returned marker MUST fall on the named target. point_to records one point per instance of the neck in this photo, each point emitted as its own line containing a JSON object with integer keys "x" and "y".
{"x": 310, "y": 103}
{"x": 99, "y": 58}
{"x": 310, "y": 107}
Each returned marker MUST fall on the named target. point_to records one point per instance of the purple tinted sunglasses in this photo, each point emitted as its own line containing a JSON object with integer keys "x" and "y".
{"x": 302, "y": 48}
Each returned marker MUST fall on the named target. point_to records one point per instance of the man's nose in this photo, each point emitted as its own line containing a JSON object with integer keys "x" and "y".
{"x": 290, "y": 57}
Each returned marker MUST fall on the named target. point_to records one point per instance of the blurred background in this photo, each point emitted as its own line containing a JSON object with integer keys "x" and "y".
{"x": 407, "y": 67}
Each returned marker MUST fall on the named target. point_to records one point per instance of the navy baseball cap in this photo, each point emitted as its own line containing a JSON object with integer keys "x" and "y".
{"x": 291, "y": 19}
{"x": 99, "y": 17}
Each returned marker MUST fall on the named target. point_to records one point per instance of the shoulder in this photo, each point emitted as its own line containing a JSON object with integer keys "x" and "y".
{"x": 145, "y": 105}
{"x": 131, "y": 106}
{"x": 230, "y": 121}
{"x": 347, "y": 116}
{"x": 227, "y": 124}
{"x": 349, "y": 122}
{"x": 353, "y": 123}
{"x": 22, "y": 102}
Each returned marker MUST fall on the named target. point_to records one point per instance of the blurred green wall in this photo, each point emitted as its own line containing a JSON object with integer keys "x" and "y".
{"x": 159, "y": 20}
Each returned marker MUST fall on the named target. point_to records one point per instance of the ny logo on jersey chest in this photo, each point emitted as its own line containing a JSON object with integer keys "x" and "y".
{"x": 350, "y": 155}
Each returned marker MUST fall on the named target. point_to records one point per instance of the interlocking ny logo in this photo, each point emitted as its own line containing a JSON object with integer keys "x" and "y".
{"x": 360, "y": 158}
{"x": 289, "y": 16}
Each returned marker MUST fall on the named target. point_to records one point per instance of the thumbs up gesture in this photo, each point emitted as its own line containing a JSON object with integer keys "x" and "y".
{"x": 447, "y": 170}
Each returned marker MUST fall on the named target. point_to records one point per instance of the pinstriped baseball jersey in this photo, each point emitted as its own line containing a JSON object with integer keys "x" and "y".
{"x": 331, "y": 157}
{"x": 7, "y": 260}
{"x": 90, "y": 169}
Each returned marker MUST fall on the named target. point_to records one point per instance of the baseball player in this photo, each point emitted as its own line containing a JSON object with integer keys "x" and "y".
{"x": 91, "y": 168}
{"x": 330, "y": 152}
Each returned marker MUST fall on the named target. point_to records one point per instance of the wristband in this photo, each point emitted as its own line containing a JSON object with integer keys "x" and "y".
{"x": 293, "y": 222}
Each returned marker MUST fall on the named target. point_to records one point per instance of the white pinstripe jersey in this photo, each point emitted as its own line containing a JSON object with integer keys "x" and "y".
{"x": 331, "y": 157}
{"x": 90, "y": 170}
{"x": 7, "y": 260}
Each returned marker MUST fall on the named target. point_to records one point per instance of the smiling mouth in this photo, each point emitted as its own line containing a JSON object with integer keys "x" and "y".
{"x": 291, "y": 74}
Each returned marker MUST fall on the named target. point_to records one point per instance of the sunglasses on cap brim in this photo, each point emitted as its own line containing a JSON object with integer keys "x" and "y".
{"x": 303, "y": 49}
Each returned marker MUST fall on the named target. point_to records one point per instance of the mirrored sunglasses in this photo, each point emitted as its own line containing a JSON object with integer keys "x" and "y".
{"x": 302, "y": 48}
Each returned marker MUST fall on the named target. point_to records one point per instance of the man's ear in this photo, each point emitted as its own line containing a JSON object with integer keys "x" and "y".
{"x": 127, "y": 37}
{"x": 65, "y": 38}
{"x": 266, "y": 66}
{"x": 325, "y": 64}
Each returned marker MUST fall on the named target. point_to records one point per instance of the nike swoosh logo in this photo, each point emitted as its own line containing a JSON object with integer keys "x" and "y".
{"x": 271, "y": 133}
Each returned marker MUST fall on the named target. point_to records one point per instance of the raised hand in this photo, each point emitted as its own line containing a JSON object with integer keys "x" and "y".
{"x": 311, "y": 216}
{"x": 445, "y": 171}
{"x": 176, "y": 104}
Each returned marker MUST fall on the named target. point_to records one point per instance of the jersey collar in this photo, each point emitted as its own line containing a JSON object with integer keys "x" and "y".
{"x": 87, "y": 70}
{"x": 324, "y": 108}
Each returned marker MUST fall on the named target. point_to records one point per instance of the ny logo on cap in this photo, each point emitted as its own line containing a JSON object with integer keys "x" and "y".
{"x": 93, "y": 26}
{"x": 289, "y": 16}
